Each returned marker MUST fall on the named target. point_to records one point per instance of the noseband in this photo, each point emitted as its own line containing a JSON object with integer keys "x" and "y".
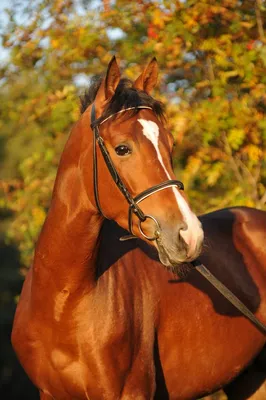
{"x": 132, "y": 201}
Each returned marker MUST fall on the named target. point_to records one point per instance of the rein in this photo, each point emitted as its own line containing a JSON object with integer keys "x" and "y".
{"x": 228, "y": 295}
{"x": 135, "y": 209}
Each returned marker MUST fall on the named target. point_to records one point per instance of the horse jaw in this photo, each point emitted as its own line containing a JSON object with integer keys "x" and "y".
{"x": 177, "y": 263}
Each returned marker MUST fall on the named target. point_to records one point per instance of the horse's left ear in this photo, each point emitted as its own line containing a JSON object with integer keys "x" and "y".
{"x": 148, "y": 79}
{"x": 108, "y": 85}
{"x": 112, "y": 78}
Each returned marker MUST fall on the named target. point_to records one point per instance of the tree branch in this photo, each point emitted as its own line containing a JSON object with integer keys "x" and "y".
{"x": 259, "y": 20}
{"x": 245, "y": 169}
{"x": 232, "y": 161}
{"x": 210, "y": 69}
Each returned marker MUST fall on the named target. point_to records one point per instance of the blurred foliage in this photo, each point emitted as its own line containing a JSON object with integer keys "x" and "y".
{"x": 212, "y": 56}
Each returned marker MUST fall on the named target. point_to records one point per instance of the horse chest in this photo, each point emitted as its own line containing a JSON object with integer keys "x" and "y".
{"x": 95, "y": 354}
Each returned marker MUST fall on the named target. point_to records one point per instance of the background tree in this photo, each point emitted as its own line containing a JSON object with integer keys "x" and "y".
{"x": 213, "y": 60}
{"x": 212, "y": 56}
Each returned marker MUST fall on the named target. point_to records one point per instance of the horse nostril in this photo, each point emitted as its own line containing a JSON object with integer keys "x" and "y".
{"x": 182, "y": 228}
{"x": 184, "y": 233}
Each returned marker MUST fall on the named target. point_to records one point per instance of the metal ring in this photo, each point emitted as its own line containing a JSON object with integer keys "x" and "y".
{"x": 157, "y": 231}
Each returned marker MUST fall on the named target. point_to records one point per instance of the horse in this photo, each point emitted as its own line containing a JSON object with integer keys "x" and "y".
{"x": 104, "y": 317}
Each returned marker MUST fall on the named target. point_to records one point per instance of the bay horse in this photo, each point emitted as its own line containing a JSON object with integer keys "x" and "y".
{"x": 104, "y": 318}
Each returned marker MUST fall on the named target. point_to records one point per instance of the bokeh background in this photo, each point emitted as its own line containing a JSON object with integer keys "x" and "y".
{"x": 212, "y": 57}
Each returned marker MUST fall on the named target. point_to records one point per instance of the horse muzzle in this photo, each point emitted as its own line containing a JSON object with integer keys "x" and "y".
{"x": 180, "y": 246}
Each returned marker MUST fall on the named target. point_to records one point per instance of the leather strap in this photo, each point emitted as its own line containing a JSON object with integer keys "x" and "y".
{"x": 228, "y": 295}
{"x": 133, "y": 202}
{"x": 146, "y": 193}
{"x": 95, "y": 169}
{"x": 108, "y": 161}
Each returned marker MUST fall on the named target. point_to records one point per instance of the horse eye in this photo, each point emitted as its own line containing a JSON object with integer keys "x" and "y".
{"x": 122, "y": 150}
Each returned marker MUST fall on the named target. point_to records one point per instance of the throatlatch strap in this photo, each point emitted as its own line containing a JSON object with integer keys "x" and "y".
{"x": 95, "y": 163}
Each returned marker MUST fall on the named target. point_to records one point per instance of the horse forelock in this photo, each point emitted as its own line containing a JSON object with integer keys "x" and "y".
{"x": 126, "y": 96}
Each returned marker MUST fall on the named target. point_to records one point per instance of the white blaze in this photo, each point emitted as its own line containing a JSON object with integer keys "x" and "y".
{"x": 194, "y": 231}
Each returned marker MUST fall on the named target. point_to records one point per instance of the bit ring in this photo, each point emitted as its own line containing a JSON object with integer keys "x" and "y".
{"x": 157, "y": 231}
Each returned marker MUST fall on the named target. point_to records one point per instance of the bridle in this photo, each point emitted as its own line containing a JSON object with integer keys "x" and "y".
{"x": 133, "y": 202}
{"x": 135, "y": 209}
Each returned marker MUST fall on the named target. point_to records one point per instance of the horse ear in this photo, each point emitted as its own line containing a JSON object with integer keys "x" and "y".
{"x": 148, "y": 79}
{"x": 112, "y": 78}
{"x": 109, "y": 83}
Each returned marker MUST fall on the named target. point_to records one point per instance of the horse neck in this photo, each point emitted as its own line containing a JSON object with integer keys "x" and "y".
{"x": 67, "y": 247}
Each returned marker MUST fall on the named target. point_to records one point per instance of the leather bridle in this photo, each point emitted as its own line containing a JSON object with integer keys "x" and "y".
{"x": 135, "y": 209}
{"x": 132, "y": 201}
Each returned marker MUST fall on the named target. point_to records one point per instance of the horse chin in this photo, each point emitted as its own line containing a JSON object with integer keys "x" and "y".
{"x": 179, "y": 267}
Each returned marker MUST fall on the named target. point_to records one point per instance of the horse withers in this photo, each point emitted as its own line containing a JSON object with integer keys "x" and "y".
{"x": 100, "y": 318}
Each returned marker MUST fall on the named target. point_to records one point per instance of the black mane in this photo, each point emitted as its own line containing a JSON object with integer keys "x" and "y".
{"x": 125, "y": 96}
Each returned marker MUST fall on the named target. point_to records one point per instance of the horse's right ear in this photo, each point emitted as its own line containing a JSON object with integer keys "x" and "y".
{"x": 148, "y": 79}
{"x": 108, "y": 85}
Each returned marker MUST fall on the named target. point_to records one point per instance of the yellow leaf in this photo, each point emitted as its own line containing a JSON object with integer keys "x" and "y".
{"x": 254, "y": 152}
{"x": 55, "y": 43}
{"x": 38, "y": 215}
{"x": 157, "y": 18}
{"x": 236, "y": 137}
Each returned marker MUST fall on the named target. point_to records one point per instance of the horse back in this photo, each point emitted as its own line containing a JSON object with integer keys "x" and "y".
{"x": 235, "y": 251}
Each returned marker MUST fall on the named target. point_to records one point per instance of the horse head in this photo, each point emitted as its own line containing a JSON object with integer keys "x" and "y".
{"x": 133, "y": 178}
